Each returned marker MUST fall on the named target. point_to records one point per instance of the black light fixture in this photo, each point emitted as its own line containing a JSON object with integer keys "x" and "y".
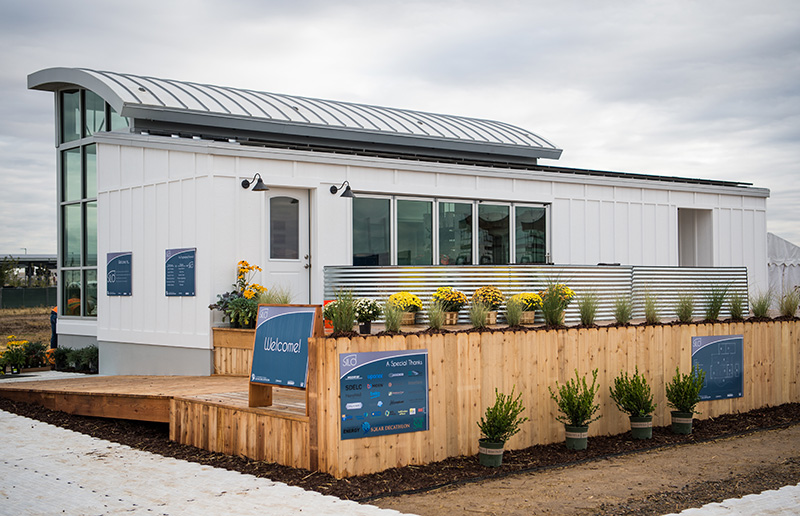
{"x": 347, "y": 191}
{"x": 260, "y": 186}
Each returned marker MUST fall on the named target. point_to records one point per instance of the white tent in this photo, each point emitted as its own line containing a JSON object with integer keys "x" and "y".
{"x": 783, "y": 264}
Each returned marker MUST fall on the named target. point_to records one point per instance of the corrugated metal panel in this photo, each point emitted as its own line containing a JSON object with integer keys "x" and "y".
{"x": 608, "y": 282}
{"x": 666, "y": 284}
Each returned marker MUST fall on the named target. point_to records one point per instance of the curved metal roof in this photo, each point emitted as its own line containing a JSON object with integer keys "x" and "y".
{"x": 193, "y": 104}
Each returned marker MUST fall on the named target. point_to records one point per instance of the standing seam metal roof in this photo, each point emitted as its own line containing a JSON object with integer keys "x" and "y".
{"x": 202, "y": 104}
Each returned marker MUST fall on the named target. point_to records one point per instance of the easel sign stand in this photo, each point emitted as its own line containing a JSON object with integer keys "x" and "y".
{"x": 280, "y": 349}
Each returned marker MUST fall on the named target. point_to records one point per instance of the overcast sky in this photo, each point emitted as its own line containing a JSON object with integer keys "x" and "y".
{"x": 707, "y": 89}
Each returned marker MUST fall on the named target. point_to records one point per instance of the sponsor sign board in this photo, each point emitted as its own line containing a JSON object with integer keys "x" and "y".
{"x": 119, "y": 279}
{"x": 179, "y": 272}
{"x": 722, "y": 359}
{"x": 383, "y": 392}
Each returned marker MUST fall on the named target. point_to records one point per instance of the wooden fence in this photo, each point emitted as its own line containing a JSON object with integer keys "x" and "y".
{"x": 465, "y": 369}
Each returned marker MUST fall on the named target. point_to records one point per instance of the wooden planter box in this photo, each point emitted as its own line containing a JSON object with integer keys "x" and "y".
{"x": 233, "y": 351}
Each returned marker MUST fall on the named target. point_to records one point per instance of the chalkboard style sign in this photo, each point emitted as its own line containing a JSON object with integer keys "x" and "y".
{"x": 179, "y": 272}
{"x": 383, "y": 392}
{"x": 722, "y": 359}
{"x": 118, "y": 274}
{"x": 280, "y": 350}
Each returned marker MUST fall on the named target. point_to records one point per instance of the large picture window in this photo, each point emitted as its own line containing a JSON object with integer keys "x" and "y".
{"x": 403, "y": 231}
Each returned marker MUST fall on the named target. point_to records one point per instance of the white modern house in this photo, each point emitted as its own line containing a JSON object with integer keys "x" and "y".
{"x": 149, "y": 168}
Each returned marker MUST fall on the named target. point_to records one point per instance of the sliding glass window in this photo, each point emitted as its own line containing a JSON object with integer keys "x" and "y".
{"x": 530, "y": 234}
{"x": 455, "y": 233}
{"x": 372, "y": 231}
{"x": 414, "y": 232}
{"x": 494, "y": 247}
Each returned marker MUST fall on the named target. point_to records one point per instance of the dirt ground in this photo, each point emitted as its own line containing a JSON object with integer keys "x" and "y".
{"x": 31, "y": 324}
{"x": 631, "y": 484}
{"x": 728, "y": 456}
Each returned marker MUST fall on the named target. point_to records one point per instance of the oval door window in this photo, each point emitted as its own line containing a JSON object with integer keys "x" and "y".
{"x": 284, "y": 228}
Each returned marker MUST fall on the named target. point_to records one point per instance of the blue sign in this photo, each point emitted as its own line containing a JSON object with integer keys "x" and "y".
{"x": 179, "y": 273}
{"x": 280, "y": 351}
{"x": 722, "y": 359}
{"x": 118, "y": 274}
{"x": 383, "y": 392}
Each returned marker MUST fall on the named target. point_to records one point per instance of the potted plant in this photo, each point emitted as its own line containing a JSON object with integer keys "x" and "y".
{"x": 501, "y": 421}
{"x": 451, "y": 301}
{"x": 530, "y": 302}
{"x": 408, "y": 303}
{"x": 555, "y": 300}
{"x": 491, "y": 298}
{"x": 575, "y": 400}
{"x": 683, "y": 394}
{"x": 240, "y": 306}
{"x": 14, "y": 357}
{"x": 632, "y": 396}
{"x": 367, "y": 310}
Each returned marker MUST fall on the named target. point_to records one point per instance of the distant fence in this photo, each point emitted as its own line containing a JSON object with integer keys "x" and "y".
{"x": 665, "y": 284}
{"x": 28, "y": 297}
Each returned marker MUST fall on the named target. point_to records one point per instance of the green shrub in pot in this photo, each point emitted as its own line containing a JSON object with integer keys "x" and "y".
{"x": 501, "y": 421}
{"x": 683, "y": 394}
{"x": 633, "y": 396}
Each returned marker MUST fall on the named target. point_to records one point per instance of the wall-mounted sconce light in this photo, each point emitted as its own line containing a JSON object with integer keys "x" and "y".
{"x": 347, "y": 191}
{"x": 260, "y": 186}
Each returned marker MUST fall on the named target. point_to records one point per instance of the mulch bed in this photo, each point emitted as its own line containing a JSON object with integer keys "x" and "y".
{"x": 154, "y": 437}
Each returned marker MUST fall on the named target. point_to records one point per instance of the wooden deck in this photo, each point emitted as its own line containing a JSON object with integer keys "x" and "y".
{"x": 146, "y": 398}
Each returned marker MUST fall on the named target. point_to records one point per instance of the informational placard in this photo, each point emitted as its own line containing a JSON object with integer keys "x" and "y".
{"x": 722, "y": 359}
{"x": 179, "y": 272}
{"x": 280, "y": 350}
{"x": 383, "y": 392}
{"x": 119, "y": 279}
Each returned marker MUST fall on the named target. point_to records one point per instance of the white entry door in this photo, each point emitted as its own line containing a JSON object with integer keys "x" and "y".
{"x": 288, "y": 241}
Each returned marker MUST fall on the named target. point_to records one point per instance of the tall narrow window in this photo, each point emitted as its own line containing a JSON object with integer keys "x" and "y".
{"x": 493, "y": 238}
{"x": 284, "y": 228}
{"x": 371, "y": 231}
{"x": 71, "y": 176}
{"x": 95, "y": 113}
{"x": 71, "y": 235}
{"x": 414, "y": 232}
{"x": 530, "y": 234}
{"x": 455, "y": 233}
{"x": 81, "y": 115}
{"x": 70, "y": 116}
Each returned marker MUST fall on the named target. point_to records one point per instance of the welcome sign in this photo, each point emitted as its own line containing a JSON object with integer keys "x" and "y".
{"x": 280, "y": 350}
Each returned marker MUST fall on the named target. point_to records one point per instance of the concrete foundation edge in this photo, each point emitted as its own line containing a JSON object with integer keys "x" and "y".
{"x": 120, "y": 358}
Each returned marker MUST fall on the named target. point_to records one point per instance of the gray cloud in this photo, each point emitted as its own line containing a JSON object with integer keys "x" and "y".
{"x": 698, "y": 89}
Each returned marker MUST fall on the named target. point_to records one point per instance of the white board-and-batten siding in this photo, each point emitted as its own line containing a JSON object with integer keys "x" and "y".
{"x": 156, "y": 193}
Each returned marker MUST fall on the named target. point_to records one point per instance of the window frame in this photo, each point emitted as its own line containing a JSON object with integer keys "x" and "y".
{"x": 435, "y": 234}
